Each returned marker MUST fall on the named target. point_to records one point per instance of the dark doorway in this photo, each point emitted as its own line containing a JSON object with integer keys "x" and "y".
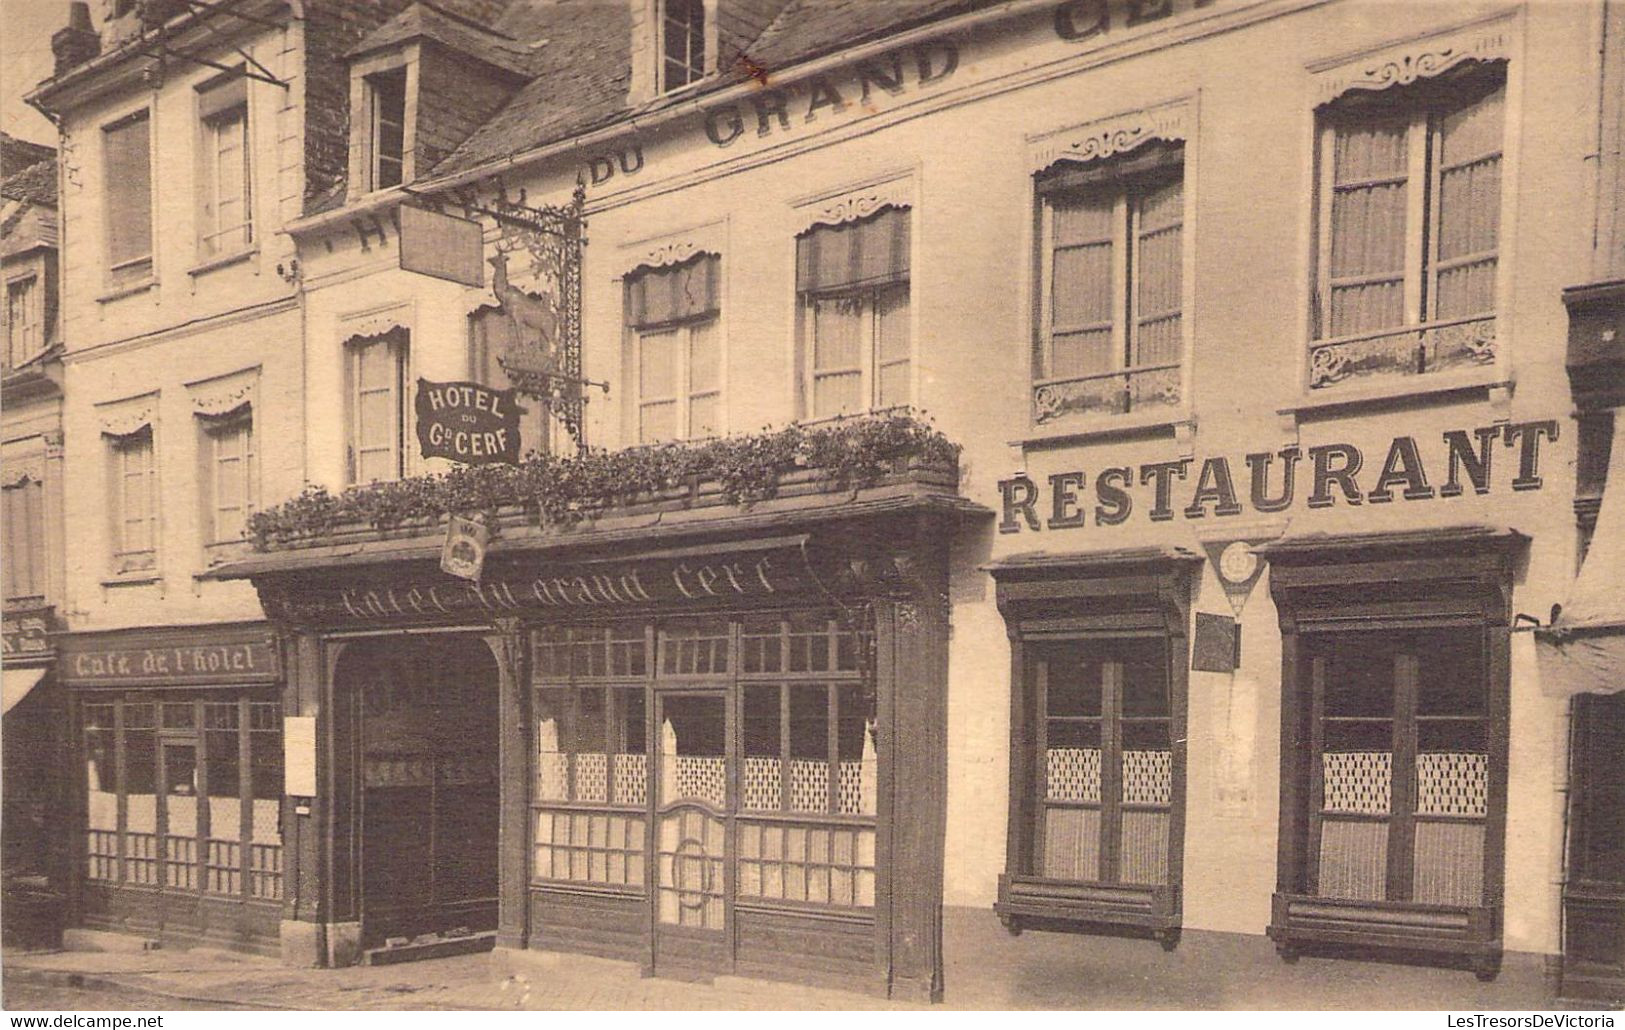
{"x": 429, "y": 803}
{"x": 1594, "y": 895}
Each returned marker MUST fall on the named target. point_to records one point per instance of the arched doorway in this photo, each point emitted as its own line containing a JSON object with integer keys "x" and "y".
{"x": 428, "y": 785}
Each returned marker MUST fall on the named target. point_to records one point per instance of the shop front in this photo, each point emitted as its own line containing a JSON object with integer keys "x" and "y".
{"x": 31, "y": 741}
{"x": 176, "y": 799}
{"x": 711, "y": 742}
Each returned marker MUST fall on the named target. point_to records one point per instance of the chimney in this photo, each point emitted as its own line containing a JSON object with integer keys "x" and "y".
{"x": 77, "y": 43}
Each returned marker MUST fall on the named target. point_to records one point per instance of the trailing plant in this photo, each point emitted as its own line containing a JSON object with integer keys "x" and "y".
{"x": 845, "y": 453}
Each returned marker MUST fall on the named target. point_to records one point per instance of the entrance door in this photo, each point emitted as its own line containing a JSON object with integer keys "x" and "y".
{"x": 1594, "y": 895}
{"x": 430, "y": 792}
{"x": 692, "y": 801}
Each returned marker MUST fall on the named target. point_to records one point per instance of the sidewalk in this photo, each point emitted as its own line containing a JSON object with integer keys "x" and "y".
{"x": 985, "y": 969}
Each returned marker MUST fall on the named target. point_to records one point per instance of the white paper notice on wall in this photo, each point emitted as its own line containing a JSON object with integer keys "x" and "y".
{"x": 299, "y": 756}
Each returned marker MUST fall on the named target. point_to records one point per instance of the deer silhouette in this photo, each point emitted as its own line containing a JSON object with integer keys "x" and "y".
{"x": 534, "y": 319}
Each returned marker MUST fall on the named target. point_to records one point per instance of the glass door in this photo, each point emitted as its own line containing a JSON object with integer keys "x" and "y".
{"x": 692, "y": 802}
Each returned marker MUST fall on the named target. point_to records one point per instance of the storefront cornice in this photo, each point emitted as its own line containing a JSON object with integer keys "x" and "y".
{"x": 776, "y": 515}
{"x": 1040, "y": 562}
{"x": 1316, "y": 548}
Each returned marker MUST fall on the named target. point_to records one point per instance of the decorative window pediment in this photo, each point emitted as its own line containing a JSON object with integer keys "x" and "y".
{"x": 127, "y": 417}
{"x": 673, "y": 248}
{"x": 850, "y": 204}
{"x": 223, "y": 395}
{"x": 1109, "y": 137}
{"x": 1404, "y": 63}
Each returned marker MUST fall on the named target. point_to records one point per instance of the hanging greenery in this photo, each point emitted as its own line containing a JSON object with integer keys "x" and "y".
{"x": 846, "y": 453}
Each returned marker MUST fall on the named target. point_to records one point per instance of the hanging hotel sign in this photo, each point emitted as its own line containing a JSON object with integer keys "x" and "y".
{"x": 468, "y": 422}
{"x": 1338, "y": 473}
{"x": 463, "y": 555}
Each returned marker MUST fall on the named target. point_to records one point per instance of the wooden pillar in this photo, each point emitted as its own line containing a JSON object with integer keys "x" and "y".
{"x": 514, "y": 777}
{"x": 321, "y": 911}
{"x": 911, "y": 638}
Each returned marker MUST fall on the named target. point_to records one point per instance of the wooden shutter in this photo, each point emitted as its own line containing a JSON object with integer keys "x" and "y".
{"x": 128, "y": 171}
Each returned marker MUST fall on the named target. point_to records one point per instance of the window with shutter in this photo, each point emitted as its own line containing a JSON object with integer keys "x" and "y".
{"x": 229, "y": 476}
{"x": 853, "y": 281}
{"x": 672, "y": 315}
{"x": 23, "y": 535}
{"x": 127, "y": 173}
{"x": 682, "y": 43}
{"x": 134, "y": 496}
{"x": 1408, "y": 226}
{"x": 377, "y": 399}
{"x": 226, "y": 223}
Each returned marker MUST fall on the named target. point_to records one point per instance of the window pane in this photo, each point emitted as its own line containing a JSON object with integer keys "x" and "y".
{"x": 704, "y": 416}
{"x": 375, "y": 465}
{"x": 1074, "y": 684}
{"x": 837, "y": 394}
{"x": 1368, "y": 227}
{"x": 552, "y": 775}
{"x": 838, "y": 330}
{"x": 704, "y": 357}
{"x": 809, "y": 749}
{"x": 657, "y": 365}
{"x": 1158, "y": 275}
{"x": 892, "y": 347}
{"x": 657, "y": 422}
{"x": 377, "y": 419}
{"x": 855, "y": 748}
{"x": 1145, "y": 682}
{"x": 1360, "y": 678}
{"x": 1469, "y": 208}
{"x": 760, "y": 740}
{"x": 377, "y": 366}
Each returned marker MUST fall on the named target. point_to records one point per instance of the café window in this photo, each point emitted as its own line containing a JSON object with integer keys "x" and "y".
{"x": 1394, "y": 752}
{"x": 183, "y": 792}
{"x": 675, "y": 348}
{"x": 377, "y": 398}
{"x": 1408, "y": 208}
{"x": 852, "y": 280}
{"x": 1111, "y": 273}
{"x": 133, "y": 493}
{"x": 1097, "y": 758}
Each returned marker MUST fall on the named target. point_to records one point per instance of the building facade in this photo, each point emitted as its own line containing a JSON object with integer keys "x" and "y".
{"x": 1247, "y": 318}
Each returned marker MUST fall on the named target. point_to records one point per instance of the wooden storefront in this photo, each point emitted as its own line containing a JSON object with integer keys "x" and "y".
{"x": 712, "y": 746}
{"x": 176, "y": 799}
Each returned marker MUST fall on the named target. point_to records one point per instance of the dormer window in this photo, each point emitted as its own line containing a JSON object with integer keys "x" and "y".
{"x": 386, "y": 94}
{"x": 682, "y": 43}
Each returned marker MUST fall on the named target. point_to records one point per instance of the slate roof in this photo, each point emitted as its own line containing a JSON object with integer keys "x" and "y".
{"x": 454, "y": 29}
{"x": 583, "y": 64}
{"x": 35, "y": 184}
{"x": 18, "y": 154}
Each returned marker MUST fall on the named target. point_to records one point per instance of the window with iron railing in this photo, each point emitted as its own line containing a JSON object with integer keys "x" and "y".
{"x": 1408, "y": 231}
{"x": 1111, "y": 273}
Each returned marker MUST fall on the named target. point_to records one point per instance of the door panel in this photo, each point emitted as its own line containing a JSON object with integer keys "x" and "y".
{"x": 691, "y": 888}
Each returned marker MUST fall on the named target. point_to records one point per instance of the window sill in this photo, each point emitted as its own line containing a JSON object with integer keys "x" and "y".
{"x": 132, "y": 579}
{"x": 1177, "y": 421}
{"x": 130, "y": 290}
{"x": 236, "y": 257}
{"x": 1398, "y": 389}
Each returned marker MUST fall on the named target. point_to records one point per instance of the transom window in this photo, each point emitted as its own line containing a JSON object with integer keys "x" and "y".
{"x": 682, "y": 43}
{"x": 1111, "y": 324}
{"x": 226, "y": 224}
{"x": 133, "y": 491}
{"x": 672, "y": 318}
{"x": 853, "y": 281}
{"x": 1409, "y": 227}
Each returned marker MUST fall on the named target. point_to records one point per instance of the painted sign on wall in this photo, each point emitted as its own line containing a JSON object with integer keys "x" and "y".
{"x": 1338, "y": 473}
{"x": 467, "y": 422}
{"x": 219, "y": 663}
